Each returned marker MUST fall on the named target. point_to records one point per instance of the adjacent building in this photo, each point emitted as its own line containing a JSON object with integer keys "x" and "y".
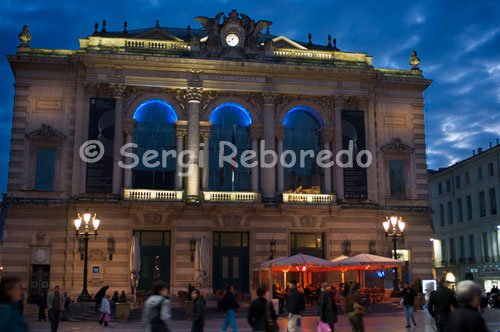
{"x": 465, "y": 217}
{"x": 188, "y": 89}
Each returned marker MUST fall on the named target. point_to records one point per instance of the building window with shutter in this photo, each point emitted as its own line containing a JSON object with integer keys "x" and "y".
{"x": 493, "y": 201}
{"x": 397, "y": 179}
{"x": 482, "y": 204}
{"x": 45, "y": 166}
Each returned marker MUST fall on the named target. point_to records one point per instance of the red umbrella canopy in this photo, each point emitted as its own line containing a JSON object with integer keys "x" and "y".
{"x": 365, "y": 262}
{"x": 300, "y": 263}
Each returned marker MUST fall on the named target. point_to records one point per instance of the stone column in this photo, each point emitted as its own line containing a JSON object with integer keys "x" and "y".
{"x": 118, "y": 89}
{"x": 180, "y": 133}
{"x": 193, "y": 98}
{"x": 128, "y": 128}
{"x": 280, "y": 172}
{"x": 268, "y": 173}
{"x": 205, "y": 175}
{"x": 339, "y": 172}
{"x": 255, "y": 136}
{"x": 327, "y": 135}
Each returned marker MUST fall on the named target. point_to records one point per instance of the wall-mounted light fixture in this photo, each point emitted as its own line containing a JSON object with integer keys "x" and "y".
{"x": 111, "y": 247}
{"x": 192, "y": 248}
{"x": 272, "y": 248}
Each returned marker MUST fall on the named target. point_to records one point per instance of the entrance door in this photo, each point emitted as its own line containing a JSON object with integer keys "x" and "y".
{"x": 155, "y": 258}
{"x": 39, "y": 281}
{"x": 231, "y": 262}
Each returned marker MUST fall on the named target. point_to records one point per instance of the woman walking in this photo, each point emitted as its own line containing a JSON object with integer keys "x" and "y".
{"x": 229, "y": 305}
{"x": 327, "y": 309}
{"x": 105, "y": 311}
{"x": 11, "y": 293}
{"x": 354, "y": 308}
{"x": 261, "y": 315}
{"x": 156, "y": 314}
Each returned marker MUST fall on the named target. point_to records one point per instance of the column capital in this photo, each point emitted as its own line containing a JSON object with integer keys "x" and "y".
{"x": 279, "y": 132}
{"x": 205, "y": 133}
{"x": 117, "y": 89}
{"x": 327, "y": 134}
{"x": 128, "y": 126}
{"x": 193, "y": 94}
{"x": 269, "y": 97}
{"x": 255, "y": 131}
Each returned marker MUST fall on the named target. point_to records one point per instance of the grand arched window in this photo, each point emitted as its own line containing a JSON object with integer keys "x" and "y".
{"x": 154, "y": 130}
{"x": 230, "y": 123}
{"x": 302, "y": 132}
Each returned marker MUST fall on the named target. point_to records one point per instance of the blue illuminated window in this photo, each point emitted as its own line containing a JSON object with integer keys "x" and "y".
{"x": 230, "y": 123}
{"x": 302, "y": 133}
{"x": 154, "y": 130}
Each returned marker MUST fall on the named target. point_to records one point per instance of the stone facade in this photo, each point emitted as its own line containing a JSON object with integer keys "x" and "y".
{"x": 268, "y": 75}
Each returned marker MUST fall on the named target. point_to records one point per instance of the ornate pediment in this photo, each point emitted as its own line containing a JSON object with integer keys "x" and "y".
{"x": 284, "y": 42}
{"x": 46, "y": 134}
{"x": 159, "y": 34}
{"x": 396, "y": 146}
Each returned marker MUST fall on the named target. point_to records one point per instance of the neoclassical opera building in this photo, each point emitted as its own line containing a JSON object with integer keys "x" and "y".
{"x": 188, "y": 89}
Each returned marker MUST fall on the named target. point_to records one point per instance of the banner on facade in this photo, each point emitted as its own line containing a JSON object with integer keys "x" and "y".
{"x": 353, "y": 129}
{"x": 101, "y": 128}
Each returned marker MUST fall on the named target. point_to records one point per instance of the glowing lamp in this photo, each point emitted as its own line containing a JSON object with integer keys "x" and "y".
{"x": 303, "y": 269}
{"x": 86, "y": 217}
{"x": 394, "y": 220}
{"x": 401, "y": 225}
{"x": 78, "y": 223}
{"x": 386, "y": 225}
{"x": 95, "y": 223}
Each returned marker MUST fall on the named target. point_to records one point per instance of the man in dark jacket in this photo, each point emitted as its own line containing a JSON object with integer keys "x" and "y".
{"x": 294, "y": 305}
{"x": 440, "y": 303}
{"x": 229, "y": 305}
{"x": 327, "y": 309}
{"x": 198, "y": 312}
{"x": 261, "y": 313}
{"x": 99, "y": 296}
{"x": 408, "y": 294}
{"x": 466, "y": 318}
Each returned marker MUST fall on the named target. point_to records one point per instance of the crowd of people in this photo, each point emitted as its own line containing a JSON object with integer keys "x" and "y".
{"x": 456, "y": 311}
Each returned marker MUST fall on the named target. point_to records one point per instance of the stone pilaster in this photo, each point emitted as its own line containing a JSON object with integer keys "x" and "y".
{"x": 255, "y": 136}
{"x": 180, "y": 134}
{"x": 327, "y": 137}
{"x": 117, "y": 89}
{"x": 205, "y": 163}
{"x": 268, "y": 173}
{"x": 128, "y": 130}
{"x": 279, "y": 131}
{"x": 193, "y": 97}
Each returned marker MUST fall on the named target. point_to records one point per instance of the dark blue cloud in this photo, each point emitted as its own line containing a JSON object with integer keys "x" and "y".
{"x": 458, "y": 43}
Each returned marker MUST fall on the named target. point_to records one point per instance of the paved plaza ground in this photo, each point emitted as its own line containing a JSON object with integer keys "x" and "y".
{"x": 375, "y": 322}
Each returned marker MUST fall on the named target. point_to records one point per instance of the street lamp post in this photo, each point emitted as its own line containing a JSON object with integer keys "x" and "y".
{"x": 86, "y": 233}
{"x": 397, "y": 227}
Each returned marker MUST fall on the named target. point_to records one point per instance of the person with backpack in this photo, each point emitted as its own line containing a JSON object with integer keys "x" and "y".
{"x": 261, "y": 315}
{"x": 229, "y": 305}
{"x": 156, "y": 314}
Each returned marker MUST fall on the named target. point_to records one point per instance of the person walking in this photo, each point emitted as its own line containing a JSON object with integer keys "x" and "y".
{"x": 354, "y": 307}
{"x": 408, "y": 296}
{"x": 11, "y": 293}
{"x": 440, "y": 303}
{"x": 157, "y": 313}
{"x": 105, "y": 310}
{"x": 99, "y": 296}
{"x": 261, "y": 315}
{"x": 294, "y": 305}
{"x": 198, "y": 312}
{"x": 67, "y": 303}
{"x": 229, "y": 305}
{"x": 55, "y": 303}
{"x": 41, "y": 302}
{"x": 327, "y": 309}
{"x": 467, "y": 318}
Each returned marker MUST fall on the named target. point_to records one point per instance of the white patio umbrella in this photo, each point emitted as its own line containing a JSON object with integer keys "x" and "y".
{"x": 338, "y": 259}
{"x": 135, "y": 265}
{"x": 201, "y": 262}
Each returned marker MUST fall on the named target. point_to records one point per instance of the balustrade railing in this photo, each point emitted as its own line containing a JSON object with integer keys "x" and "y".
{"x": 308, "y": 198}
{"x": 231, "y": 196}
{"x": 152, "y": 195}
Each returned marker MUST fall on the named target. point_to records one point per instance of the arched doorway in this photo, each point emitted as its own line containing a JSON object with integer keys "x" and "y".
{"x": 154, "y": 130}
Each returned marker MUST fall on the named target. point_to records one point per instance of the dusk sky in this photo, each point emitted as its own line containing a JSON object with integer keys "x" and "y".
{"x": 458, "y": 43}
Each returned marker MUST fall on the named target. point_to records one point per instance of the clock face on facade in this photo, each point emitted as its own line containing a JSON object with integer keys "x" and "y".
{"x": 232, "y": 39}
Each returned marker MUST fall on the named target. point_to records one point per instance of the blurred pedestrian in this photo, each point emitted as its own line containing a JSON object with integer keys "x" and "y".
{"x": 408, "y": 296}
{"x": 327, "y": 309}
{"x": 261, "y": 315}
{"x": 198, "y": 312}
{"x": 55, "y": 303}
{"x": 67, "y": 303}
{"x": 41, "y": 302}
{"x": 295, "y": 304}
{"x": 440, "y": 305}
{"x": 157, "y": 313}
{"x": 105, "y": 310}
{"x": 99, "y": 296}
{"x": 467, "y": 318}
{"x": 229, "y": 305}
{"x": 123, "y": 297}
{"x": 11, "y": 318}
{"x": 354, "y": 308}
